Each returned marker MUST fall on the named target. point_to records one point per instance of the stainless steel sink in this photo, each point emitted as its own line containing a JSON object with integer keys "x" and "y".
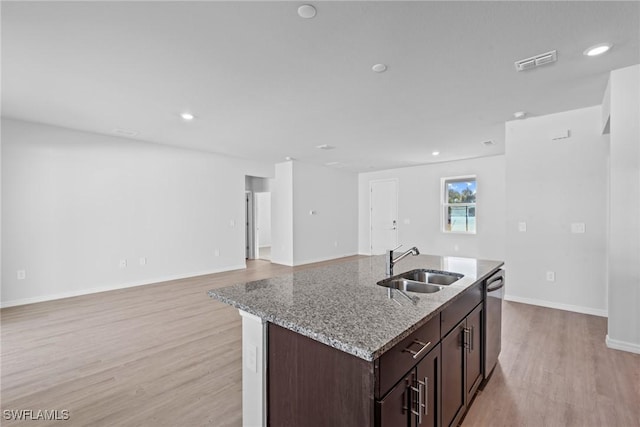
{"x": 410, "y": 285}
{"x": 422, "y": 281}
{"x": 431, "y": 276}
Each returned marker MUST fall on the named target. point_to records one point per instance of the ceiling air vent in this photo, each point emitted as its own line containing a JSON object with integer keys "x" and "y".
{"x": 536, "y": 61}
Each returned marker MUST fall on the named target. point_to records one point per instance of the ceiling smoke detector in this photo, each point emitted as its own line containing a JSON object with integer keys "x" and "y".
{"x": 306, "y": 11}
{"x": 536, "y": 61}
{"x": 519, "y": 114}
{"x": 379, "y": 68}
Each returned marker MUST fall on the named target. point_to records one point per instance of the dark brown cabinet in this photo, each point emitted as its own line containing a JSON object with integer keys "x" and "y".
{"x": 415, "y": 400}
{"x": 428, "y": 379}
{"x": 461, "y": 366}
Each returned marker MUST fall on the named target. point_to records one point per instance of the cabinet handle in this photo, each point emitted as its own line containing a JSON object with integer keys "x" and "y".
{"x": 417, "y": 354}
{"x": 471, "y": 338}
{"x": 420, "y": 401}
{"x": 425, "y": 405}
{"x": 417, "y": 401}
{"x": 466, "y": 344}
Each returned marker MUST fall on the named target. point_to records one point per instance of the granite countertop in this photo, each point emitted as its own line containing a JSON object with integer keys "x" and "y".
{"x": 342, "y": 306}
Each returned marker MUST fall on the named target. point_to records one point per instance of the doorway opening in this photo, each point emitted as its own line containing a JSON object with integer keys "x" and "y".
{"x": 258, "y": 218}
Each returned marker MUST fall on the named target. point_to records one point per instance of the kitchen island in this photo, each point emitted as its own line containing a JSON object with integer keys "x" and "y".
{"x": 328, "y": 346}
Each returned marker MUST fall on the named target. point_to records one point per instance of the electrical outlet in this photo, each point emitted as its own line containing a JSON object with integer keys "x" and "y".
{"x": 123, "y": 263}
{"x": 407, "y": 221}
{"x": 143, "y": 261}
{"x": 335, "y": 243}
{"x": 251, "y": 362}
{"x": 22, "y": 274}
{"x": 216, "y": 252}
{"x": 522, "y": 226}
{"x": 551, "y": 276}
{"x": 232, "y": 223}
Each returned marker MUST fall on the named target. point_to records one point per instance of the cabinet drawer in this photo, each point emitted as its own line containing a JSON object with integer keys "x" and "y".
{"x": 396, "y": 362}
{"x": 459, "y": 309}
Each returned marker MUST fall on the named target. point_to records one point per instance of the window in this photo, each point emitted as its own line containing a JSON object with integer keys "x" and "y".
{"x": 459, "y": 204}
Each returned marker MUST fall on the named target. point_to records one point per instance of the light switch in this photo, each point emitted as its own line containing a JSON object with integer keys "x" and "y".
{"x": 551, "y": 276}
{"x": 578, "y": 227}
{"x": 407, "y": 221}
{"x": 522, "y": 226}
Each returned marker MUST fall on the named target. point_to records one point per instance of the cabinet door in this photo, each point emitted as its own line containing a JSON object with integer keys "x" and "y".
{"x": 428, "y": 377}
{"x": 474, "y": 351}
{"x": 452, "y": 383}
{"x": 393, "y": 410}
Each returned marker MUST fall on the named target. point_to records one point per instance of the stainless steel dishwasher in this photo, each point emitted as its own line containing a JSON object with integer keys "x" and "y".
{"x": 494, "y": 293}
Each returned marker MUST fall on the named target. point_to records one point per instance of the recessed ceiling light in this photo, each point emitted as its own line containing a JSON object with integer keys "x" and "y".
{"x": 435, "y": 153}
{"x": 488, "y": 143}
{"x": 306, "y": 11}
{"x": 187, "y": 116}
{"x": 379, "y": 68}
{"x": 288, "y": 158}
{"x": 332, "y": 163}
{"x": 519, "y": 114}
{"x": 325, "y": 147}
{"x": 598, "y": 49}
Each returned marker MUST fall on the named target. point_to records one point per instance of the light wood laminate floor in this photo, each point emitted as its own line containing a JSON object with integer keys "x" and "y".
{"x": 168, "y": 355}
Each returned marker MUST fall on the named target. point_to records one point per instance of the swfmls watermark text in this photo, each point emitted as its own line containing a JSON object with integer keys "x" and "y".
{"x": 36, "y": 414}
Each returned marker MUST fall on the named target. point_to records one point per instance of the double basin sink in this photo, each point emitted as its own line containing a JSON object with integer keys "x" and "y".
{"x": 422, "y": 281}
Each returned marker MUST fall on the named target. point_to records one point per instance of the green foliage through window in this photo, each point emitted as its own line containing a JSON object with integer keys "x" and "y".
{"x": 460, "y": 204}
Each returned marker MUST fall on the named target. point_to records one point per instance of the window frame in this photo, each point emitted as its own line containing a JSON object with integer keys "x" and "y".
{"x": 444, "y": 203}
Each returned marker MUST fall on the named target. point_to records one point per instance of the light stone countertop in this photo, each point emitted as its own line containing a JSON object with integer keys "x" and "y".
{"x": 342, "y": 306}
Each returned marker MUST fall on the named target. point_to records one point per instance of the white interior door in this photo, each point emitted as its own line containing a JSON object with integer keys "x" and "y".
{"x": 384, "y": 215}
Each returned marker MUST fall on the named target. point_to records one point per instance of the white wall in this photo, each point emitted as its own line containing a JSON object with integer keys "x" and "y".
{"x": 299, "y": 237}
{"x": 624, "y": 243}
{"x": 550, "y": 185}
{"x": 263, "y": 218}
{"x": 419, "y": 203}
{"x": 76, "y": 203}
{"x": 282, "y": 214}
{"x": 332, "y": 232}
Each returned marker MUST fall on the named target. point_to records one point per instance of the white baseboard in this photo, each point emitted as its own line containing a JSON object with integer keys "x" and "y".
{"x": 559, "y": 306}
{"x": 95, "y": 290}
{"x": 328, "y": 258}
{"x": 622, "y": 345}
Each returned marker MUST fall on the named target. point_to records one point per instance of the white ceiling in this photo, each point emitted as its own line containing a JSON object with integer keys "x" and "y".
{"x": 265, "y": 83}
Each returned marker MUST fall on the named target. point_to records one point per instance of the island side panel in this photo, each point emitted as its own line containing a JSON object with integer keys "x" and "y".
{"x": 254, "y": 370}
{"x": 311, "y": 383}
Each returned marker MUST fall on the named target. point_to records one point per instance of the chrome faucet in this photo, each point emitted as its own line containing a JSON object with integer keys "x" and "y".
{"x": 391, "y": 261}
